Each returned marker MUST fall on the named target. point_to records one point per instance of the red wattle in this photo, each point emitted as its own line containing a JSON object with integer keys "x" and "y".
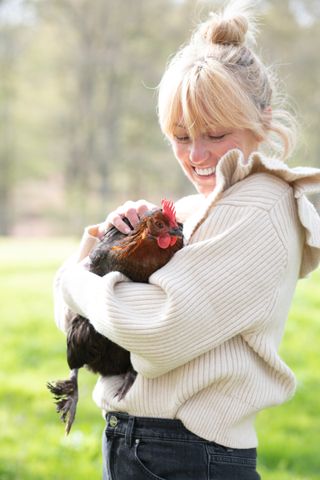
{"x": 173, "y": 241}
{"x": 164, "y": 241}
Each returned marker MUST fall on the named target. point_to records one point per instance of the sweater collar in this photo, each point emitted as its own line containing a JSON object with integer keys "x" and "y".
{"x": 232, "y": 168}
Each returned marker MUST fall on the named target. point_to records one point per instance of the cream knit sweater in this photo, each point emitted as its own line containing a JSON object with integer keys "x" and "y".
{"x": 204, "y": 333}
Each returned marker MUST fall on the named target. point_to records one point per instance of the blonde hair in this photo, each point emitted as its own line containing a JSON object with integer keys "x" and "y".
{"x": 218, "y": 81}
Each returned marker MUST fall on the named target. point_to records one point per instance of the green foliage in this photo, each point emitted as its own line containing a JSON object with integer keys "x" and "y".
{"x": 32, "y": 442}
{"x": 78, "y": 118}
{"x": 33, "y": 445}
{"x": 289, "y": 434}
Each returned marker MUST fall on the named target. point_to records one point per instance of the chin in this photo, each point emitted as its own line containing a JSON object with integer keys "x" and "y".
{"x": 205, "y": 189}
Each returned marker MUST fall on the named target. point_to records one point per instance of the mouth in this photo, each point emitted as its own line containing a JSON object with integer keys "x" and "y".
{"x": 204, "y": 172}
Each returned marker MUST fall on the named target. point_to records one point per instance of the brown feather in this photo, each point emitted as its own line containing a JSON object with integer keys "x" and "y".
{"x": 137, "y": 256}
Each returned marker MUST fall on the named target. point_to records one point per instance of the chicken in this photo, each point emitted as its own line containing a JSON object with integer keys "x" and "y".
{"x": 149, "y": 246}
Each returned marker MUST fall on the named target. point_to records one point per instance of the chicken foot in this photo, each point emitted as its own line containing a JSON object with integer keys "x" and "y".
{"x": 66, "y": 398}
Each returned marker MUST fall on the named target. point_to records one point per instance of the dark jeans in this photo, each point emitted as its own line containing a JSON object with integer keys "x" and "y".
{"x": 143, "y": 448}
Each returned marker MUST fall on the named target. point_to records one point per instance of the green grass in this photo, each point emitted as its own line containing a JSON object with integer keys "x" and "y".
{"x": 32, "y": 441}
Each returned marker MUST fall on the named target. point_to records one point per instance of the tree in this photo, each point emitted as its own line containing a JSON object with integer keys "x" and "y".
{"x": 109, "y": 126}
{"x": 78, "y": 109}
{"x": 9, "y": 51}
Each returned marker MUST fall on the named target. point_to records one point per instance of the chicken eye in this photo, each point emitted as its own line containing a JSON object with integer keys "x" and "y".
{"x": 160, "y": 224}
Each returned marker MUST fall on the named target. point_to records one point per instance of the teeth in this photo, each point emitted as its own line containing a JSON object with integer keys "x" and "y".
{"x": 205, "y": 171}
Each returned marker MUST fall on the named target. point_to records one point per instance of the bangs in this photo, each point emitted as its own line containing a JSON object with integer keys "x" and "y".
{"x": 204, "y": 100}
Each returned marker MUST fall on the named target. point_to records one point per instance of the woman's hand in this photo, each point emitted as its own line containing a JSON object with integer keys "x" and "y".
{"x": 131, "y": 210}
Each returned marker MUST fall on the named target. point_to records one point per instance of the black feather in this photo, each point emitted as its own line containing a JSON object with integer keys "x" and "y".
{"x": 87, "y": 347}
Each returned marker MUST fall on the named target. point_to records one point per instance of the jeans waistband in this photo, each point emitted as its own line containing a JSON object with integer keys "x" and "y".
{"x": 119, "y": 423}
{"x": 132, "y": 427}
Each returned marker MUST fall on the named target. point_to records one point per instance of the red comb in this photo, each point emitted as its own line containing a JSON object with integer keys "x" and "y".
{"x": 170, "y": 212}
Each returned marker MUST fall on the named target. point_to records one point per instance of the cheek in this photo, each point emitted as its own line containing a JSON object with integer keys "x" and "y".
{"x": 181, "y": 153}
{"x": 242, "y": 141}
{"x": 229, "y": 145}
{"x": 219, "y": 149}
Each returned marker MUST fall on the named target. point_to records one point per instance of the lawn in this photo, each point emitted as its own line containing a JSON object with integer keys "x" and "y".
{"x": 32, "y": 442}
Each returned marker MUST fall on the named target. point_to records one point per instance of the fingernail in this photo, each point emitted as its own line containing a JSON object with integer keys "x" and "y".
{"x": 127, "y": 230}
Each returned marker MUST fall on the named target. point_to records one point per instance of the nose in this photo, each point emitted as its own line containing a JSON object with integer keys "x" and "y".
{"x": 199, "y": 152}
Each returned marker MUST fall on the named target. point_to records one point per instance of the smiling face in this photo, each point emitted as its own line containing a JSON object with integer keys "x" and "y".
{"x": 207, "y": 106}
{"x": 200, "y": 156}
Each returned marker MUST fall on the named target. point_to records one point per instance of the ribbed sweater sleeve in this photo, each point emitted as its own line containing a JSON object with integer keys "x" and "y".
{"x": 204, "y": 332}
{"x": 62, "y": 314}
{"x": 211, "y": 290}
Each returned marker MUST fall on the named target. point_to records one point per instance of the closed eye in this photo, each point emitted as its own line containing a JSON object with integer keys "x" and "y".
{"x": 216, "y": 137}
{"x": 182, "y": 139}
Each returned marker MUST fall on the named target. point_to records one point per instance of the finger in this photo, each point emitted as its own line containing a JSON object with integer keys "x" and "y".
{"x": 143, "y": 206}
{"x": 142, "y": 209}
{"x": 132, "y": 216}
{"x": 114, "y": 219}
{"x": 132, "y": 210}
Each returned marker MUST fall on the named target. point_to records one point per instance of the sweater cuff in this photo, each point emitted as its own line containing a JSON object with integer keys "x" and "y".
{"x": 89, "y": 240}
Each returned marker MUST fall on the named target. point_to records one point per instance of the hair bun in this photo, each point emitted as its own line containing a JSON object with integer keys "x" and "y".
{"x": 231, "y": 31}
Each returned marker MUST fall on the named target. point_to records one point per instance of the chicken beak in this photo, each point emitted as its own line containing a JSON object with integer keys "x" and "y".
{"x": 176, "y": 232}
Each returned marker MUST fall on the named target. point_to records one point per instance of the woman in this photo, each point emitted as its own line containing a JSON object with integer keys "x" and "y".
{"x": 204, "y": 333}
